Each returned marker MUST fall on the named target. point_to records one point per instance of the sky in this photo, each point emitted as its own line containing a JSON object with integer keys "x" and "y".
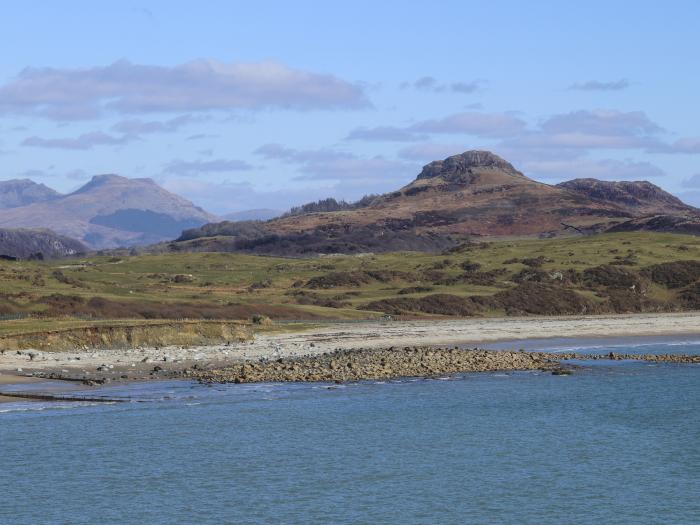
{"x": 246, "y": 105}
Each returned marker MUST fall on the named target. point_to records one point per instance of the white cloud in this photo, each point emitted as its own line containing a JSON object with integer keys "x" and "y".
{"x": 201, "y": 85}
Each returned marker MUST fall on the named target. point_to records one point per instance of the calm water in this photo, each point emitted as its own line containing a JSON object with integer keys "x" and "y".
{"x": 614, "y": 443}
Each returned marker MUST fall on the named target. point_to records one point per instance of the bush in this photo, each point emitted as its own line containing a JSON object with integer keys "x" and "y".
{"x": 675, "y": 274}
{"x": 541, "y": 299}
{"x": 441, "y": 304}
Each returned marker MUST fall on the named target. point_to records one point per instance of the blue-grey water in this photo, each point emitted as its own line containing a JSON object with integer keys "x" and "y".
{"x": 617, "y": 442}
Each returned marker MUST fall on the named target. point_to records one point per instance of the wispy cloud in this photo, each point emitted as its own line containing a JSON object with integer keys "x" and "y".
{"x": 428, "y": 83}
{"x": 196, "y": 167}
{"x": 688, "y": 146}
{"x": 328, "y": 164}
{"x": 227, "y": 196}
{"x": 201, "y": 85}
{"x": 597, "y": 85}
{"x": 488, "y": 125}
{"x": 610, "y": 169}
{"x": 383, "y": 134}
{"x": 592, "y": 129}
{"x": 283, "y": 153}
{"x": 141, "y": 127}
{"x": 428, "y": 151}
{"x": 85, "y": 141}
{"x": 692, "y": 182}
{"x": 51, "y": 173}
{"x": 202, "y": 136}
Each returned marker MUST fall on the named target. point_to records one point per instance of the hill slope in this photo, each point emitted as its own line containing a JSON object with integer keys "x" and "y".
{"x": 111, "y": 211}
{"x": 472, "y": 194}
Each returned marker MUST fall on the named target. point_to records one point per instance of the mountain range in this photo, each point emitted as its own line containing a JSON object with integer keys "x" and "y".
{"x": 476, "y": 194}
{"x": 108, "y": 211}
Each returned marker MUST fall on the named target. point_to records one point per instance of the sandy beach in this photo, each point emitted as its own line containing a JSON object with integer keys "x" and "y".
{"x": 154, "y": 363}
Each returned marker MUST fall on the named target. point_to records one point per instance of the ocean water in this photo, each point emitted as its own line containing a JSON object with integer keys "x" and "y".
{"x": 616, "y": 442}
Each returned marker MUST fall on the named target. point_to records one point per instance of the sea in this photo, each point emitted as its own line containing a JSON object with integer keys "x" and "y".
{"x": 615, "y": 442}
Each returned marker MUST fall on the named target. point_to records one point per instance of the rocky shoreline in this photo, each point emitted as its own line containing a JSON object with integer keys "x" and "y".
{"x": 298, "y": 350}
{"x": 336, "y": 366}
{"x": 365, "y": 364}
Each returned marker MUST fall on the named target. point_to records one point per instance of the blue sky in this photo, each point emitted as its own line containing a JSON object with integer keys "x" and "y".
{"x": 269, "y": 104}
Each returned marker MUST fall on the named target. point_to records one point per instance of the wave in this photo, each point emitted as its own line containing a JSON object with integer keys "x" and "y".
{"x": 630, "y": 346}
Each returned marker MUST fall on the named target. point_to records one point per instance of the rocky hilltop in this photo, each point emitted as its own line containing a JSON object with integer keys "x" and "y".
{"x": 457, "y": 168}
{"x": 108, "y": 211}
{"x": 473, "y": 194}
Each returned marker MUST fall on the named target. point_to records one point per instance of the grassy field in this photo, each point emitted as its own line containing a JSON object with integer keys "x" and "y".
{"x": 221, "y": 285}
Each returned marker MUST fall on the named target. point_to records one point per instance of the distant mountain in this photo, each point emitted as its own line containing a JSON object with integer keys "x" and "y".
{"x": 37, "y": 244}
{"x": 474, "y": 194}
{"x": 110, "y": 211}
{"x": 20, "y": 192}
{"x": 260, "y": 214}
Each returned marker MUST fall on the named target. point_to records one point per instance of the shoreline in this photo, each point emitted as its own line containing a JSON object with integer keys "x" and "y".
{"x": 98, "y": 367}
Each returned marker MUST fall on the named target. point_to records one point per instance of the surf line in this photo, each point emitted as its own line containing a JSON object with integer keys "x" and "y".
{"x": 52, "y": 397}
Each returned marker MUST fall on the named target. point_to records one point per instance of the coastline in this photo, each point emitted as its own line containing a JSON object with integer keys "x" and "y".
{"x": 103, "y": 366}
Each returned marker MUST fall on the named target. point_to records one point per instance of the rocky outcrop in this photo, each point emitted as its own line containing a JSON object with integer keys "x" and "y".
{"x": 37, "y": 244}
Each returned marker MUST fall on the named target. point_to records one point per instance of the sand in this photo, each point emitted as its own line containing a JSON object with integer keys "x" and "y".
{"x": 156, "y": 362}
